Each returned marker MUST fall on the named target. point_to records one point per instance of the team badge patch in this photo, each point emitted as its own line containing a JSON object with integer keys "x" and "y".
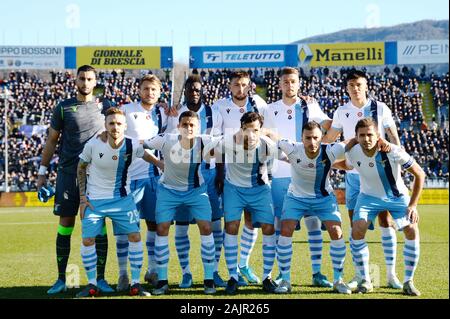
{"x": 289, "y": 111}
{"x": 311, "y": 165}
{"x": 371, "y": 164}
{"x": 241, "y": 110}
{"x": 359, "y": 114}
{"x": 114, "y": 157}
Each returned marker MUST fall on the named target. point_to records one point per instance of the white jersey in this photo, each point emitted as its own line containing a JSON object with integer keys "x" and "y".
{"x": 181, "y": 166}
{"x": 311, "y": 177}
{"x": 287, "y": 121}
{"x": 246, "y": 168}
{"x": 346, "y": 116}
{"x": 232, "y": 113}
{"x": 380, "y": 175}
{"x": 143, "y": 125}
{"x": 109, "y": 168}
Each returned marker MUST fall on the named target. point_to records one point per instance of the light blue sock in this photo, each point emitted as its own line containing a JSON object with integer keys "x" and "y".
{"x": 269, "y": 250}
{"x": 89, "y": 258}
{"x": 231, "y": 252}
{"x": 337, "y": 253}
{"x": 162, "y": 255}
{"x": 284, "y": 257}
{"x": 208, "y": 255}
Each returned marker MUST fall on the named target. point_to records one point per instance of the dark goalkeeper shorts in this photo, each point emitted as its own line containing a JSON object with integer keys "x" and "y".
{"x": 67, "y": 195}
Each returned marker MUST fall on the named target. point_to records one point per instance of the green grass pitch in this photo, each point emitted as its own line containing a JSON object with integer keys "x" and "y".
{"x": 28, "y": 262}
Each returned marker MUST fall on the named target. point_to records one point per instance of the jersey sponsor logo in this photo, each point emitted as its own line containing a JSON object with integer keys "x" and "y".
{"x": 347, "y": 114}
{"x": 101, "y": 155}
{"x": 276, "y": 113}
{"x": 299, "y": 160}
{"x": 114, "y": 157}
{"x": 228, "y": 111}
{"x": 135, "y": 116}
{"x": 359, "y": 163}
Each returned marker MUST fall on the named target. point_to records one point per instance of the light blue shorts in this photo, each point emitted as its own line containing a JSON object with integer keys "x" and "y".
{"x": 325, "y": 208}
{"x": 182, "y": 214}
{"x": 352, "y": 187}
{"x": 122, "y": 212}
{"x": 144, "y": 192}
{"x": 368, "y": 207}
{"x": 280, "y": 188}
{"x": 257, "y": 200}
{"x": 195, "y": 202}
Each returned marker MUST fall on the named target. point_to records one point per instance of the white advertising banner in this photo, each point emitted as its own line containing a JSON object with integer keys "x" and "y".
{"x": 422, "y": 52}
{"x": 31, "y": 57}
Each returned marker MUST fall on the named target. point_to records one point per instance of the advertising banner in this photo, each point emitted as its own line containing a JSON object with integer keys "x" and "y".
{"x": 249, "y": 56}
{"x": 422, "y": 52}
{"x": 31, "y": 57}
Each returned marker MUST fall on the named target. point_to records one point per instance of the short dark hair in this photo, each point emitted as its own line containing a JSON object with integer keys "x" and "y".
{"x": 193, "y": 78}
{"x": 250, "y": 117}
{"x": 187, "y": 114}
{"x": 86, "y": 68}
{"x": 365, "y": 122}
{"x": 289, "y": 71}
{"x": 239, "y": 75}
{"x": 355, "y": 74}
{"x": 311, "y": 126}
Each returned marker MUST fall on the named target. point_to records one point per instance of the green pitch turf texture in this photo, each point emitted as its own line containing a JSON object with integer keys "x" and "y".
{"x": 28, "y": 262}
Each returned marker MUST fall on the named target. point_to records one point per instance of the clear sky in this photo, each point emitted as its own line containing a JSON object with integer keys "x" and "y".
{"x": 182, "y": 23}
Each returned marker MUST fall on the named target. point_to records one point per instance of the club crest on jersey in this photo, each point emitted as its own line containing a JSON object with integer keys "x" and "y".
{"x": 359, "y": 114}
{"x": 289, "y": 111}
{"x": 114, "y": 157}
{"x": 324, "y": 161}
{"x": 372, "y": 164}
{"x": 228, "y": 111}
{"x": 148, "y": 117}
{"x": 383, "y": 163}
{"x": 101, "y": 155}
{"x": 241, "y": 110}
{"x": 311, "y": 165}
{"x": 347, "y": 114}
{"x": 359, "y": 163}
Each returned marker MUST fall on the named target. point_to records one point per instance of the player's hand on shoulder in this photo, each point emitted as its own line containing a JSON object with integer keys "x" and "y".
{"x": 169, "y": 111}
{"x": 308, "y": 99}
{"x": 384, "y": 146}
{"x": 103, "y": 136}
{"x": 160, "y": 165}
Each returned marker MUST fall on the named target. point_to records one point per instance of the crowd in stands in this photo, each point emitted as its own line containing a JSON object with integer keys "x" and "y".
{"x": 34, "y": 99}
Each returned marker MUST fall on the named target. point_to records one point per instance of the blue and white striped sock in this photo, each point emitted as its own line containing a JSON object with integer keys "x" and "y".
{"x": 150, "y": 244}
{"x": 360, "y": 252}
{"x": 411, "y": 254}
{"x": 218, "y": 234}
{"x": 208, "y": 255}
{"x": 389, "y": 242}
{"x": 337, "y": 253}
{"x": 162, "y": 255}
{"x": 248, "y": 240}
{"x": 89, "y": 258}
{"x": 284, "y": 257}
{"x": 315, "y": 241}
{"x": 277, "y": 225}
{"x": 136, "y": 256}
{"x": 231, "y": 253}
{"x": 183, "y": 246}
{"x": 122, "y": 253}
{"x": 269, "y": 249}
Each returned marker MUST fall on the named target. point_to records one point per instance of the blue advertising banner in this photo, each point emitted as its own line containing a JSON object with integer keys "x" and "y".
{"x": 248, "y": 56}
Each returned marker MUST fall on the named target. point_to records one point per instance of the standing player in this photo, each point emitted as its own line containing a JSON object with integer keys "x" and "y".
{"x": 310, "y": 193}
{"x": 287, "y": 117}
{"x": 210, "y": 124}
{"x": 382, "y": 187}
{"x": 145, "y": 119}
{"x": 183, "y": 185}
{"x": 247, "y": 155}
{"x": 75, "y": 120}
{"x": 232, "y": 109}
{"x": 107, "y": 194}
{"x": 344, "y": 121}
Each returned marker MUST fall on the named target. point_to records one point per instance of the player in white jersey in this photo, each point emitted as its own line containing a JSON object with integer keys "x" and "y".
{"x": 310, "y": 193}
{"x": 344, "y": 120}
{"x": 232, "y": 109}
{"x": 287, "y": 117}
{"x": 211, "y": 124}
{"x": 183, "y": 185}
{"x": 247, "y": 185}
{"x": 382, "y": 187}
{"x": 107, "y": 194}
{"x": 145, "y": 119}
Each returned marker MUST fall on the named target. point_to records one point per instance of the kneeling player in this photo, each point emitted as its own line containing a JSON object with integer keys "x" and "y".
{"x": 247, "y": 154}
{"x": 182, "y": 185}
{"x": 310, "y": 193}
{"x": 382, "y": 187}
{"x": 107, "y": 194}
